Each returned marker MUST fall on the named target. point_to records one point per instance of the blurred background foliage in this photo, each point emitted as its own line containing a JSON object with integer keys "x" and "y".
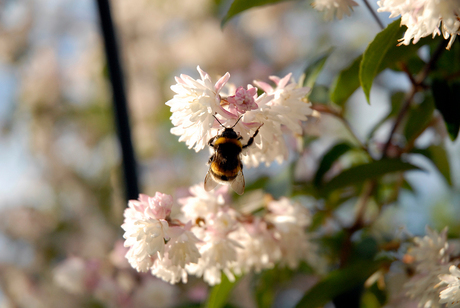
{"x": 61, "y": 192}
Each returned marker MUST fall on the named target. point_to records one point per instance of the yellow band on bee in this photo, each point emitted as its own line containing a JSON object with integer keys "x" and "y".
{"x": 220, "y": 172}
{"x": 222, "y": 140}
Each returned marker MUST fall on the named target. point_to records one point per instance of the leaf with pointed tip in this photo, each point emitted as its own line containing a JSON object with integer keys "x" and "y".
{"x": 438, "y": 155}
{"x": 375, "y": 53}
{"x": 365, "y": 68}
{"x": 346, "y": 83}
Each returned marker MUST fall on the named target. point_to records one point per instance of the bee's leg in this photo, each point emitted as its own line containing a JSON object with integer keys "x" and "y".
{"x": 211, "y": 159}
{"x": 251, "y": 140}
{"x": 210, "y": 141}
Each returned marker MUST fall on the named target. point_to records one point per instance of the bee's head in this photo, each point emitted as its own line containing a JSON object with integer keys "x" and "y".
{"x": 229, "y": 133}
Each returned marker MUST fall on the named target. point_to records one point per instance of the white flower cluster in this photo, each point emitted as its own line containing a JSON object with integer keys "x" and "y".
{"x": 336, "y": 8}
{"x": 220, "y": 239}
{"x": 196, "y": 102}
{"x": 432, "y": 285}
{"x": 155, "y": 243}
{"x": 425, "y": 17}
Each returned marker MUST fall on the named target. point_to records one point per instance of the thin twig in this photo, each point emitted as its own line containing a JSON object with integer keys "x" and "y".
{"x": 398, "y": 120}
{"x": 405, "y": 69}
{"x": 374, "y": 14}
{"x": 359, "y": 223}
{"x": 369, "y": 188}
{"x": 416, "y": 85}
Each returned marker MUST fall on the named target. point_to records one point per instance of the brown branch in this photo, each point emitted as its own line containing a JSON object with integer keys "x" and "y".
{"x": 417, "y": 84}
{"x": 359, "y": 223}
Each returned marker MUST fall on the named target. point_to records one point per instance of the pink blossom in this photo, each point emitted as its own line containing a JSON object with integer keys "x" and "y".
{"x": 243, "y": 100}
{"x": 157, "y": 207}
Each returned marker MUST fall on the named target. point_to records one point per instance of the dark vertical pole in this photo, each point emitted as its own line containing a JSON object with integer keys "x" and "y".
{"x": 119, "y": 100}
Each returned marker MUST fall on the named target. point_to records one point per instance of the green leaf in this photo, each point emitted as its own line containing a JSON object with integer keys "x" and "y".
{"x": 419, "y": 117}
{"x": 348, "y": 80}
{"x": 361, "y": 173}
{"x": 375, "y": 53}
{"x": 314, "y": 68}
{"x": 447, "y": 100}
{"x": 369, "y": 300}
{"x": 267, "y": 283}
{"x": 338, "y": 282}
{"x": 438, "y": 155}
{"x": 448, "y": 64}
{"x": 328, "y": 160}
{"x": 319, "y": 95}
{"x": 407, "y": 53}
{"x": 239, "y": 6}
{"x": 219, "y": 293}
{"x": 346, "y": 83}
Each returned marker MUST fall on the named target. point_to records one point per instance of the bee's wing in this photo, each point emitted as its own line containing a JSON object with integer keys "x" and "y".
{"x": 209, "y": 182}
{"x": 238, "y": 183}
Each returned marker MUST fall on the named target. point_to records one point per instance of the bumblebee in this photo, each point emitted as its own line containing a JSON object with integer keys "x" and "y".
{"x": 225, "y": 166}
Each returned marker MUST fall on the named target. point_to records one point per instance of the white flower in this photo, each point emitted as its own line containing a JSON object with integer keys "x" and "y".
{"x": 145, "y": 239}
{"x": 430, "y": 257}
{"x": 425, "y": 17}
{"x": 181, "y": 247}
{"x": 165, "y": 269}
{"x": 334, "y": 7}
{"x": 201, "y": 202}
{"x": 193, "y": 107}
{"x": 423, "y": 287}
{"x": 451, "y": 294}
{"x": 261, "y": 249}
{"x": 286, "y": 108}
{"x": 146, "y": 229}
{"x": 431, "y": 250}
{"x": 283, "y": 211}
{"x": 197, "y": 102}
{"x": 290, "y": 221}
{"x": 218, "y": 251}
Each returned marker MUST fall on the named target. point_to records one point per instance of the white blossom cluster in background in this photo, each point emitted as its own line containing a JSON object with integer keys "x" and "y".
{"x": 336, "y": 8}
{"x": 425, "y": 17}
{"x": 196, "y": 102}
{"x": 421, "y": 17}
{"x": 436, "y": 279}
{"x": 210, "y": 237}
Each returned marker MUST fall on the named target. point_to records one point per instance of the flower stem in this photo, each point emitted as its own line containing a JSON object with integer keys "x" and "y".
{"x": 374, "y": 14}
{"x": 416, "y": 85}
